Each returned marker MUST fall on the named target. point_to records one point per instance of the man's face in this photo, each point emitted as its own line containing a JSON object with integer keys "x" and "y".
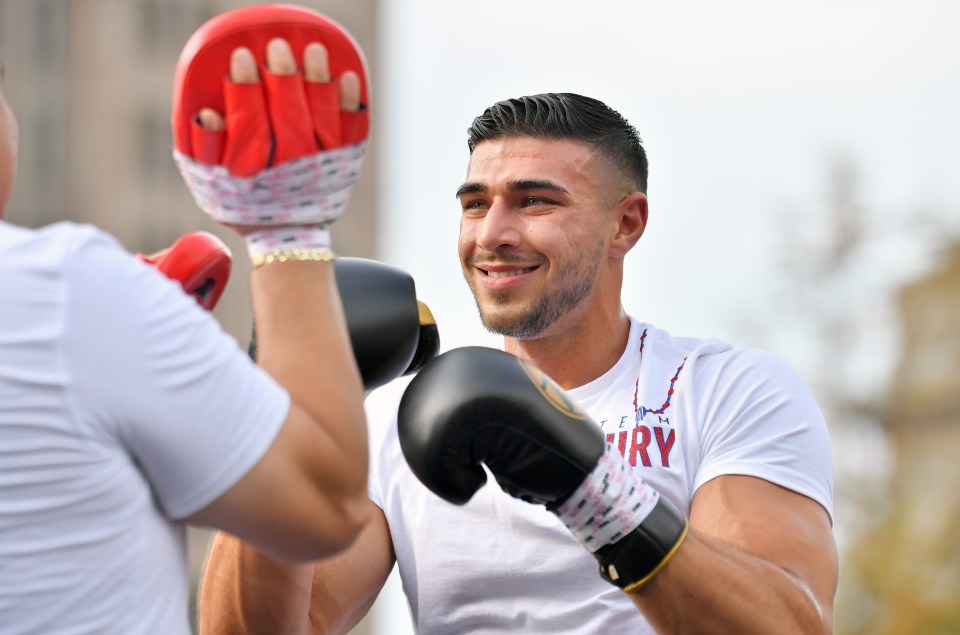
{"x": 533, "y": 231}
{"x": 8, "y": 147}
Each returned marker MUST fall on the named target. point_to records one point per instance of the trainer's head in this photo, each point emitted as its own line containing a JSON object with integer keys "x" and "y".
{"x": 566, "y": 116}
{"x": 8, "y": 146}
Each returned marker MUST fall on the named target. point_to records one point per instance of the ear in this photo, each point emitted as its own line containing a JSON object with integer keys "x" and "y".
{"x": 631, "y": 217}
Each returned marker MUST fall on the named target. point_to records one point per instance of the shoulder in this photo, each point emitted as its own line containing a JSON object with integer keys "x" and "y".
{"x": 748, "y": 370}
{"x": 745, "y": 359}
{"x": 54, "y": 243}
{"x": 757, "y": 417}
{"x": 659, "y": 342}
{"x": 73, "y": 237}
{"x": 97, "y": 267}
{"x": 718, "y": 377}
{"x": 715, "y": 359}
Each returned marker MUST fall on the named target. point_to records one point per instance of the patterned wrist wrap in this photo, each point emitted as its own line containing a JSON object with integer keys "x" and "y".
{"x": 281, "y": 239}
{"x": 625, "y": 523}
{"x": 610, "y": 503}
{"x": 313, "y": 189}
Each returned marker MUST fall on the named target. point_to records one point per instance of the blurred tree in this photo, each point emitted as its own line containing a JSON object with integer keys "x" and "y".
{"x": 909, "y": 561}
{"x": 846, "y": 305}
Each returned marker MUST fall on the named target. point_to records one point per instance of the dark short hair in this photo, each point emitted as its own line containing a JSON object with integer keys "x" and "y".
{"x": 566, "y": 116}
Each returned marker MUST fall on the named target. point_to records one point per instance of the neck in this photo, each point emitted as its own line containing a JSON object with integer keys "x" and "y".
{"x": 580, "y": 353}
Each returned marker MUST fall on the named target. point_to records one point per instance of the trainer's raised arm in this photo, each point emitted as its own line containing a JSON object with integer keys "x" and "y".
{"x": 270, "y": 124}
{"x": 250, "y": 149}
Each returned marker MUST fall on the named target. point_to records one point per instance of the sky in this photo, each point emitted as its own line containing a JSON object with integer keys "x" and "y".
{"x": 743, "y": 106}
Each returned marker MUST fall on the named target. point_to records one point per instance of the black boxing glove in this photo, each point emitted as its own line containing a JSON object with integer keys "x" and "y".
{"x": 392, "y": 333}
{"x": 479, "y": 405}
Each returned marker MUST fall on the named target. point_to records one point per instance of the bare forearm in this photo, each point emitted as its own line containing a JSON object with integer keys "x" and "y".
{"x": 244, "y": 592}
{"x": 709, "y": 587}
{"x": 303, "y": 343}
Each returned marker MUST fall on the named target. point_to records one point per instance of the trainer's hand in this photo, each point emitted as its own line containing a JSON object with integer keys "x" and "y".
{"x": 270, "y": 126}
{"x": 200, "y": 262}
{"x": 284, "y": 117}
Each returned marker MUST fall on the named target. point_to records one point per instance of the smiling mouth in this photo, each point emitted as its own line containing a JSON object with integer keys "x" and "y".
{"x": 508, "y": 274}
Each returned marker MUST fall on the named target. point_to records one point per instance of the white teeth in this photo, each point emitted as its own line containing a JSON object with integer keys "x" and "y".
{"x": 509, "y": 274}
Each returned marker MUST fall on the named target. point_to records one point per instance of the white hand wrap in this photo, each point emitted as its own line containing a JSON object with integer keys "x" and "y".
{"x": 610, "y": 503}
{"x": 279, "y": 239}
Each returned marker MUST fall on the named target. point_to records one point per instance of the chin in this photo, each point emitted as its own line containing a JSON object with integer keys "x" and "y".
{"x": 501, "y": 313}
{"x": 517, "y": 325}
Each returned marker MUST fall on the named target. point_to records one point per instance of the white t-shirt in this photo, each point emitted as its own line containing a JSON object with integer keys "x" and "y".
{"x": 123, "y": 407}
{"x": 498, "y": 565}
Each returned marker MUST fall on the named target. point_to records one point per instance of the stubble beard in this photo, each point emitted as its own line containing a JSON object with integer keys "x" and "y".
{"x": 575, "y": 280}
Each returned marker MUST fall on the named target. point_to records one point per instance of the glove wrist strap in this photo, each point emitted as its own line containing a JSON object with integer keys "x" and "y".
{"x": 634, "y": 560}
{"x": 628, "y": 526}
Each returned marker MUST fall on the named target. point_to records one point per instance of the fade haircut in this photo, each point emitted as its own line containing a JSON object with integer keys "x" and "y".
{"x": 566, "y": 116}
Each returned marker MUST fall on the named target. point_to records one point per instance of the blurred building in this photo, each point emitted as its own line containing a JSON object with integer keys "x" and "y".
{"x": 90, "y": 82}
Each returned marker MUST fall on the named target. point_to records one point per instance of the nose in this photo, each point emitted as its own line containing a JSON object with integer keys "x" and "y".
{"x": 499, "y": 228}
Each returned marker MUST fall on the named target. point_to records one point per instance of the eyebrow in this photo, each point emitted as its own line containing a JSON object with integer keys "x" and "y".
{"x": 472, "y": 187}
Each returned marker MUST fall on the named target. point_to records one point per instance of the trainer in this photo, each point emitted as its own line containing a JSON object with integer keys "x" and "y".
{"x": 126, "y": 412}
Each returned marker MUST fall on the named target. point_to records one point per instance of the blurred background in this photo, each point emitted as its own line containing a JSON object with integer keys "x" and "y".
{"x": 805, "y": 198}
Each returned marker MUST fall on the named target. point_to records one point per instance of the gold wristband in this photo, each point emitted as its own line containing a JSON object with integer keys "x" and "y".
{"x": 315, "y": 254}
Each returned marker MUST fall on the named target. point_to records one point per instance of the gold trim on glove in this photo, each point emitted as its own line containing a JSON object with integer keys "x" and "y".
{"x": 639, "y": 584}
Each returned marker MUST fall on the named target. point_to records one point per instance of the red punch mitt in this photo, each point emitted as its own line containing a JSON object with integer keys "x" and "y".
{"x": 284, "y": 165}
{"x": 200, "y": 262}
{"x": 283, "y": 117}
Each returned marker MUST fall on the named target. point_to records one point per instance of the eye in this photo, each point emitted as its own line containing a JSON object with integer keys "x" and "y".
{"x": 472, "y": 205}
{"x": 530, "y": 201}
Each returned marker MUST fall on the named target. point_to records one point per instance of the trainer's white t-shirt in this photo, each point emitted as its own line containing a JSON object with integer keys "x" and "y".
{"x": 123, "y": 407}
{"x": 682, "y": 411}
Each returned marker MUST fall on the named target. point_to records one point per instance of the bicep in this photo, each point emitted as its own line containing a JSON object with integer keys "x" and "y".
{"x": 346, "y": 585}
{"x": 292, "y": 503}
{"x": 780, "y": 526}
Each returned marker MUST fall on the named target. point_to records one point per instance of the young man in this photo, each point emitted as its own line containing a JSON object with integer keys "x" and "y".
{"x": 553, "y": 201}
{"x": 125, "y": 412}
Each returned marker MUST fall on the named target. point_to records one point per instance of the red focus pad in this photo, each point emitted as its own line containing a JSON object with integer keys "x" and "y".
{"x": 355, "y": 125}
{"x": 324, "y": 100}
{"x": 248, "y": 141}
{"x": 289, "y": 117}
{"x": 200, "y": 262}
{"x": 207, "y": 144}
{"x": 205, "y": 64}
